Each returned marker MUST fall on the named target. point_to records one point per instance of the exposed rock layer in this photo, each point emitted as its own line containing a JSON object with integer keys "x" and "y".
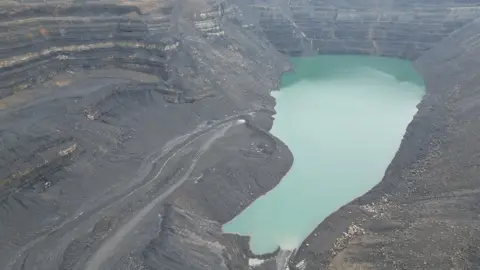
{"x": 399, "y": 28}
{"x": 130, "y": 131}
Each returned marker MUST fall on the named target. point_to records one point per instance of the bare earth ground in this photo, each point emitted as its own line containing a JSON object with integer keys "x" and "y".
{"x": 130, "y": 131}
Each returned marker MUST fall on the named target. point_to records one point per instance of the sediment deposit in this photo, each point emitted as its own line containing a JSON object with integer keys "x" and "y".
{"x": 131, "y": 130}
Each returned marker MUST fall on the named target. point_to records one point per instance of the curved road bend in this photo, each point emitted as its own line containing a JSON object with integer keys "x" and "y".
{"x": 170, "y": 149}
{"x": 107, "y": 249}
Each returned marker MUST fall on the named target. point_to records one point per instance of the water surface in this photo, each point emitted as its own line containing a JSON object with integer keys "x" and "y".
{"x": 343, "y": 118}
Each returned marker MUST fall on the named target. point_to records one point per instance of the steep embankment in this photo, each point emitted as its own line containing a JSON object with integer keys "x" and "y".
{"x": 130, "y": 131}
{"x": 123, "y": 142}
{"x": 399, "y": 28}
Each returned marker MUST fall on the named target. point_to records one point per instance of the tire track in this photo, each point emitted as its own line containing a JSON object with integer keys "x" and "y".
{"x": 108, "y": 248}
{"x": 175, "y": 145}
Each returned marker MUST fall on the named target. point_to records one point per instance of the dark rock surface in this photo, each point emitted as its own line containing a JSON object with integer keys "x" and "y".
{"x": 131, "y": 130}
{"x": 399, "y": 28}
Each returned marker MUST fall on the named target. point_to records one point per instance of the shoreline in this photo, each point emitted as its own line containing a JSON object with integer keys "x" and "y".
{"x": 390, "y": 207}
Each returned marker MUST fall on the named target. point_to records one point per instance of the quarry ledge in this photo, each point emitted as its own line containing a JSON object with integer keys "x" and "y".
{"x": 427, "y": 186}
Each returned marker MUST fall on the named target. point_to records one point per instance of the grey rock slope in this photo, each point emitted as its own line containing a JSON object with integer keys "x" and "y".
{"x": 400, "y": 28}
{"x": 131, "y": 130}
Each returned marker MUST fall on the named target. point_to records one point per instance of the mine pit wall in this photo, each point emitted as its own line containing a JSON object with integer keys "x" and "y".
{"x": 92, "y": 93}
{"x": 201, "y": 60}
{"x": 397, "y": 28}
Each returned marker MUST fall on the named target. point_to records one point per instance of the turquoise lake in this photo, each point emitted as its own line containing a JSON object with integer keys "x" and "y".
{"x": 343, "y": 118}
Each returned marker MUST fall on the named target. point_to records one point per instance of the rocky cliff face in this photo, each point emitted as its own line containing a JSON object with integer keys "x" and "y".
{"x": 399, "y": 28}
{"x": 130, "y": 131}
